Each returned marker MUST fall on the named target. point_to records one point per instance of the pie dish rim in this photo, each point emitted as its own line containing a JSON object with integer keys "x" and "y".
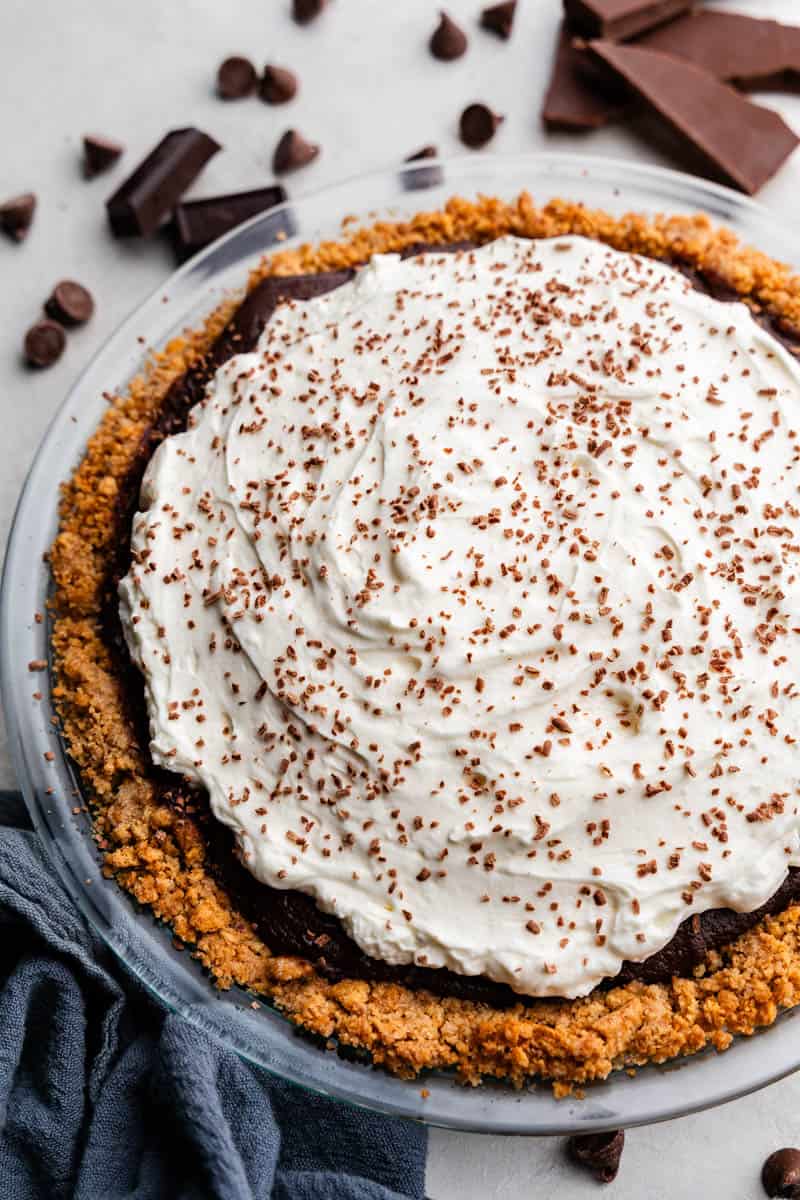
{"x": 493, "y": 1108}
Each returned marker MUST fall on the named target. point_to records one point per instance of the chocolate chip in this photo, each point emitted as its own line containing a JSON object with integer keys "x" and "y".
{"x": 99, "y": 154}
{"x": 304, "y": 11}
{"x": 448, "y": 41}
{"x": 44, "y": 343}
{"x": 70, "y": 303}
{"x": 277, "y": 85}
{"x": 16, "y": 216}
{"x": 422, "y": 177}
{"x": 780, "y": 1174}
{"x": 499, "y": 18}
{"x": 236, "y": 77}
{"x": 599, "y": 1153}
{"x": 425, "y": 152}
{"x": 293, "y": 151}
{"x": 477, "y": 125}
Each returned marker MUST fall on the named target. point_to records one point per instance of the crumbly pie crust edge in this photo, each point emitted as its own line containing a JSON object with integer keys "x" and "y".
{"x": 158, "y": 854}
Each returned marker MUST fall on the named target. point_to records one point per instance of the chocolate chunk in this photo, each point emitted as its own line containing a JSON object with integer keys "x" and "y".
{"x": 620, "y": 19}
{"x": 139, "y": 206}
{"x": 477, "y": 125}
{"x": 277, "y": 85}
{"x": 44, "y": 343}
{"x": 16, "y": 216}
{"x": 576, "y": 97}
{"x": 499, "y": 18}
{"x": 198, "y": 223}
{"x": 99, "y": 154}
{"x": 599, "y": 1153}
{"x": 448, "y": 41}
{"x": 422, "y": 177}
{"x": 70, "y": 303}
{"x": 236, "y": 77}
{"x": 780, "y": 1174}
{"x": 736, "y": 140}
{"x": 293, "y": 151}
{"x": 747, "y": 51}
{"x": 304, "y": 11}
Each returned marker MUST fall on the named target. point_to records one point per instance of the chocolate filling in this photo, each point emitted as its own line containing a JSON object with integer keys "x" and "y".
{"x": 288, "y": 921}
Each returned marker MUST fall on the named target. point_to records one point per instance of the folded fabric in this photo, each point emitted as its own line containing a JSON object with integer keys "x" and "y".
{"x": 104, "y": 1094}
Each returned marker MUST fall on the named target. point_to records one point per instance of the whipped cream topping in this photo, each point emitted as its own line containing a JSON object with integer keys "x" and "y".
{"x": 471, "y": 597}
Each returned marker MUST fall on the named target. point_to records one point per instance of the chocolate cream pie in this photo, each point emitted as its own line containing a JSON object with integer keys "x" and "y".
{"x": 424, "y": 631}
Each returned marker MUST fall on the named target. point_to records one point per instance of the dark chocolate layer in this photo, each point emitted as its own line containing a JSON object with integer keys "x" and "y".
{"x": 290, "y": 922}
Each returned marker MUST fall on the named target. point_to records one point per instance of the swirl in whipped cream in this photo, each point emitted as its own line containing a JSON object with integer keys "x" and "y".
{"x": 471, "y": 598}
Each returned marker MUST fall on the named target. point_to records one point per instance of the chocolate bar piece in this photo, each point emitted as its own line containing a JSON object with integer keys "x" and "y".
{"x": 738, "y": 141}
{"x": 620, "y": 19}
{"x": 749, "y": 52}
{"x": 577, "y": 99}
{"x": 198, "y": 223}
{"x": 150, "y": 194}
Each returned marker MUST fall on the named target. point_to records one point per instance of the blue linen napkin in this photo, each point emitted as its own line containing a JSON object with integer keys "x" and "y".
{"x": 103, "y": 1094}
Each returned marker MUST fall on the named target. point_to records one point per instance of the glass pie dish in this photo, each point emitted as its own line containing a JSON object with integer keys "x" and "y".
{"x": 262, "y": 1035}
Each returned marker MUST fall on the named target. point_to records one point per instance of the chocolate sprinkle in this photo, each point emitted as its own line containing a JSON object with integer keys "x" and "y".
{"x": 448, "y": 40}
{"x": 99, "y": 153}
{"x": 16, "y": 216}
{"x": 277, "y": 85}
{"x": 236, "y": 78}
{"x": 478, "y": 125}
{"x": 293, "y": 151}
{"x": 780, "y": 1174}
{"x": 70, "y": 303}
{"x": 499, "y": 18}
{"x": 599, "y": 1153}
{"x": 304, "y": 11}
{"x": 44, "y": 343}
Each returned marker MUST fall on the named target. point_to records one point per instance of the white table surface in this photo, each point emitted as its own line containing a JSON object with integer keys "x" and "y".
{"x": 370, "y": 93}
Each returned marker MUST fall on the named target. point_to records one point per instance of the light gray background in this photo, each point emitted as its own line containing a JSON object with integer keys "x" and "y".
{"x": 370, "y": 94}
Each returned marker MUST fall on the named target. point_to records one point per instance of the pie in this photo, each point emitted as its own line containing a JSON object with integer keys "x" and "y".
{"x": 423, "y": 635}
